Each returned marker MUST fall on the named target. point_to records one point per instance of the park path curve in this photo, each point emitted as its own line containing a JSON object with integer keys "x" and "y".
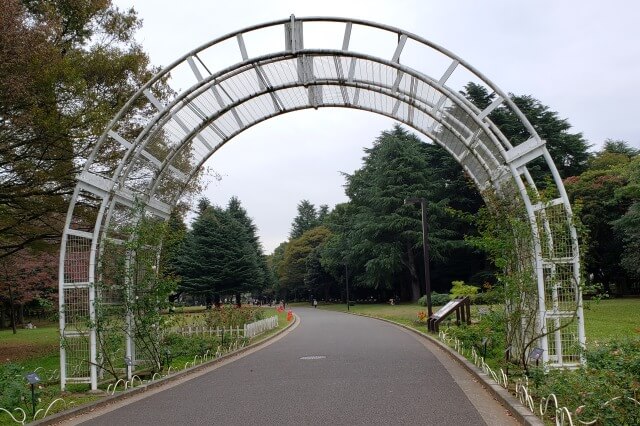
{"x": 333, "y": 368}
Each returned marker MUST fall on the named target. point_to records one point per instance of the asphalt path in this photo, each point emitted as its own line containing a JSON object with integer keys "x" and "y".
{"x": 333, "y": 368}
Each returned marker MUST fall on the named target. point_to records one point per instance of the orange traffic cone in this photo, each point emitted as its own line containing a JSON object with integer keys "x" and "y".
{"x": 289, "y": 315}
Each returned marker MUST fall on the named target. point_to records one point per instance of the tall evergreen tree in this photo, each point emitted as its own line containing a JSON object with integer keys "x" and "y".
{"x": 386, "y": 238}
{"x": 235, "y": 209}
{"x": 323, "y": 212}
{"x": 306, "y": 219}
{"x": 218, "y": 256}
{"x": 570, "y": 151}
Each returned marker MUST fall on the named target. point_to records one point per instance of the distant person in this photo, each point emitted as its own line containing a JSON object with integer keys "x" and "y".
{"x": 315, "y": 303}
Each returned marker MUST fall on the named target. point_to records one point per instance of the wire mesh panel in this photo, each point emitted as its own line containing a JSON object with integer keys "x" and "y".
{"x": 76, "y": 309}
{"x": 77, "y": 358}
{"x": 77, "y": 260}
{"x": 564, "y": 343}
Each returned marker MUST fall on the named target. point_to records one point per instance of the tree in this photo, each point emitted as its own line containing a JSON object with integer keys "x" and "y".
{"x": 218, "y": 256}
{"x": 274, "y": 261}
{"x": 451, "y": 184}
{"x": 66, "y": 68}
{"x": 323, "y": 212}
{"x": 568, "y": 150}
{"x": 306, "y": 219}
{"x": 628, "y": 226}
{"x": 386, "y": 236}
{"x": 172, "y": 246}
{"x": 603, "y": 195}
{"x": 34, "y": 277}
{"x": 263, "y": 276}
{"x": 293, "y": 269}
{"x": 316, "y": 278}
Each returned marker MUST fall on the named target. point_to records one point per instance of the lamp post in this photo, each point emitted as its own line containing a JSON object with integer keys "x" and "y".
{"x": 425, "y": 248}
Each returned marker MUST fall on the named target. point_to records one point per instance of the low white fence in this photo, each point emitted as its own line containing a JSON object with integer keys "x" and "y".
{"x": 255, "y": 328}
{"x": 249, "y": 330}
{"x": 209, "y": 331}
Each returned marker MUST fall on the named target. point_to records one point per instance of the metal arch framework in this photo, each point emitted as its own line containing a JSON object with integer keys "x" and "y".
{"x": 159, "y": 157}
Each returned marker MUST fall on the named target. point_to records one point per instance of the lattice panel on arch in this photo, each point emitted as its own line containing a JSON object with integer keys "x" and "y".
{"x": 76, "y": 308}
{"x": 111, "y": 273}
{"x": 555, "y": 228}
{"x": 77, "y": 357}
{"x": 563, "y": 334}
{"x": 77, "y": 260}
{"x": 560, "y": 287}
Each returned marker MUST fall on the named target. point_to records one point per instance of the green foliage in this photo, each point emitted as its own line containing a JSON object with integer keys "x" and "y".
{"x": 13, "y": 390}
{"x": 602, "y": 389}
{"x": 263, "y": 277}
{"x": 232, "y": 317}
{"x": 295, "y": 266}
{"x": 627, "y": 227}
{"x": 221, "y": 254}
{"x": 608, "y": 194}
{"x": 505, "y": 234}
{"x": 306, "y": 219}
{"x": 493, "y": 296}
{"x": 133, "y": 294}
{"x": 460, "y": 289}
{"x": 437, "y": 299}
{"x": 568, "y": 150}
{"x": 382, "y": 237}
{"x": 66, "y": 68}
{"x": 491, "y": 326}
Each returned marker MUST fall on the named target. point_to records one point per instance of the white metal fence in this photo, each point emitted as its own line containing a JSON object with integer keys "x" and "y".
{"x": 249, "y": 330}
{"x": 255, "y": 328}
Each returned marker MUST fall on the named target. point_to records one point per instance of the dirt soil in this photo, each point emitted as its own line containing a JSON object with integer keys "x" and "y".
{"x": 20, "y": 352}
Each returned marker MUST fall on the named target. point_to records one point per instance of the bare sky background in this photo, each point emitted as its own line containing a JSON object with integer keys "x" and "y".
{"x": 580, "y": 57}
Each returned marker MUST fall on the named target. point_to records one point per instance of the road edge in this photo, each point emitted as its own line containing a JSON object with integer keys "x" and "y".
{"x": 511, "y": 403}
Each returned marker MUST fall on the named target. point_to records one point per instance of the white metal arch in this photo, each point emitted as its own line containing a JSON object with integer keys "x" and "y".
{"x": 155, "y": 160}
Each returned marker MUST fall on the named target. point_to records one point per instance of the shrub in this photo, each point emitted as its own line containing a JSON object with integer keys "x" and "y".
{"x": 494, "y": 296}
{"x": 437, "y": 299}
{"x": 610, "y": 375}
{"x": 232, "y": 316}
{"x": 461, "y": 289}
{"x": 490, "y": 326}
{"x": 13, "y": 389}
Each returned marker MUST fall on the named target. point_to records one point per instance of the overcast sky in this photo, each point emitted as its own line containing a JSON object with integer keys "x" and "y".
{"x": 580, "y": 57}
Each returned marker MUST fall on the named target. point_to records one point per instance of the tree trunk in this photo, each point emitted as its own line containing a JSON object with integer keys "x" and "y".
{"x": 216, "y": 301}
{"x": 12, "y": 310}
{"x": 415, "y": 281}
{"x": 3, "y": 323}
{"x": 238, "y": 300}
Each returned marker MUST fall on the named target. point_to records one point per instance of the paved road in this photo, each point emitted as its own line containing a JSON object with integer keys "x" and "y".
{"x": 332, "y": 369}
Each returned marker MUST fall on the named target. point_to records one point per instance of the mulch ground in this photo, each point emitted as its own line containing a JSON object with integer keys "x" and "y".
{"x": 23, "y": 351}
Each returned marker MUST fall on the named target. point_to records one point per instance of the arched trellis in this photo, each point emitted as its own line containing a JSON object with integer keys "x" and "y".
{"x": 151, "y": 159}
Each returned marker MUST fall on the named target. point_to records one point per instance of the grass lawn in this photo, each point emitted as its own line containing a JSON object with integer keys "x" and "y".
{"x": 609, "y": 319}
{"x": 604, "y": 320}
{"x": 28, "y": 345}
